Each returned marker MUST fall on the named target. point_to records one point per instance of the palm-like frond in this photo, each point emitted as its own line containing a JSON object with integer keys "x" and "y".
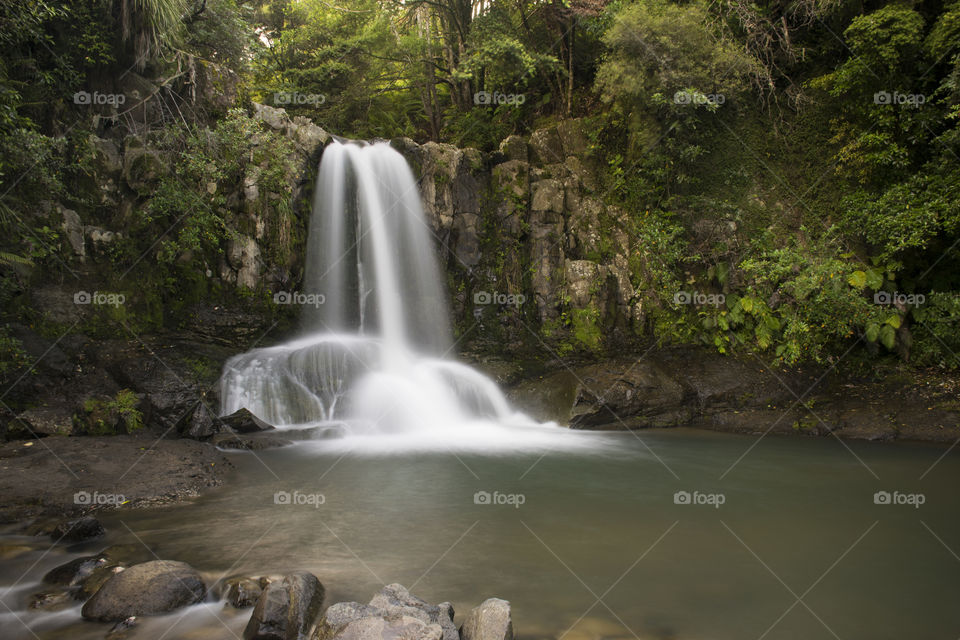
{"x": 148, "y": 24}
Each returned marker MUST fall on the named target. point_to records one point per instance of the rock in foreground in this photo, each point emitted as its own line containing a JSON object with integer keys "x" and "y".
{"x": 286, "y": 609}
{"x": 86, "y": 528}
{"x": 393, "y": 614}
{"x": 490, "y": 621}
{"x": 150, "y": 588}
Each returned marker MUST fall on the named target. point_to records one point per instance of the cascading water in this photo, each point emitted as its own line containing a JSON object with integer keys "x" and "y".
{"x": 373, "y": 360}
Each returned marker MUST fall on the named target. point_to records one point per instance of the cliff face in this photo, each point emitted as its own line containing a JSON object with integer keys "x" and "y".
{"x": 528, "y": 245}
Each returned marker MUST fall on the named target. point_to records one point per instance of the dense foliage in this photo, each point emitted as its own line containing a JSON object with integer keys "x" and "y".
{"x": 817, "y": 140}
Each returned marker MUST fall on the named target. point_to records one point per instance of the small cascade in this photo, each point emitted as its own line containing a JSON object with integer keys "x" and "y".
{"x": 373, "y": 359}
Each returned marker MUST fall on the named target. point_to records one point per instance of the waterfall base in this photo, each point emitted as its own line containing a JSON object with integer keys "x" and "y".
{"x": 360, "y": 389}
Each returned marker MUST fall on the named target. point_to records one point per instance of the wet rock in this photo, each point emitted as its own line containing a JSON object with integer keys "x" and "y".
{"x": 150, "y": 588}
{"x": 97, "y": 579}
{"x": 549, "y": 397}
{"x": 51, "y": 600}
{"x": 244, "y": 592}
{"x": 248, "y": 443}
{"x": 76, "y": 571}
{"x": 243, "y": 421}
{"x": 286, "y": 609}
{"x": 393, "y": 613}
{"x": 86, "y": 528}
{"x": 490, "y": 621}
{"x": 200, "y": 423}
{"x": 122, "y": 629}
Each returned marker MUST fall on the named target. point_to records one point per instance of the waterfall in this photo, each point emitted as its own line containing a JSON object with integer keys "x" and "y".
{"x": 374, "y": 354}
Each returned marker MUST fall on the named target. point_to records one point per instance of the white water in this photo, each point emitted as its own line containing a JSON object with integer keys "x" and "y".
{"x": 373, "y": 364}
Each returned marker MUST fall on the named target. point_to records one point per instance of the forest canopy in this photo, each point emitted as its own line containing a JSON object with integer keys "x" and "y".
{"x": 822, "y": 134}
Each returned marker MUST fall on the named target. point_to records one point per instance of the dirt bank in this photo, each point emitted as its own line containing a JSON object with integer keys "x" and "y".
{"x": 60, "y": 475}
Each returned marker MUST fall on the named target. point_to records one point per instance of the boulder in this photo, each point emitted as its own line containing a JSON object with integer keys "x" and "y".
{"x": 490, "y": 621}
{"x": 43, "y": 421}
{"x": 393, "y": 614}
{"x": 78, "y": 530}
{"x": 305, "y": 135}
{"x": 150, "y": 588}
{"x": 242, "y": 421}
{"x": 630, "y": 396}
{"x": 201, "y": 423}
{"x": 546, "y": 146}
{"x": 397, "y": 598}
{"x": 573, "y": 137}
{"x": 286, "y": 609}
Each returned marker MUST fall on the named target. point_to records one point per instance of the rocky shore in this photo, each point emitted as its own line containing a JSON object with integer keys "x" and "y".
{"x": 665, "y": 388}
{"x": 122, "y": 585}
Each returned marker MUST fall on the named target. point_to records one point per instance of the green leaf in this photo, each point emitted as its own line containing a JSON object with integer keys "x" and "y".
{"x": 858, "y": 279}
{"x": 874, "y": 279}
{"x": 894, "y": 321}
{"x": 872, "y": 332}
{"x": 746, "y": 303}
{"x": 888, "y": 336}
